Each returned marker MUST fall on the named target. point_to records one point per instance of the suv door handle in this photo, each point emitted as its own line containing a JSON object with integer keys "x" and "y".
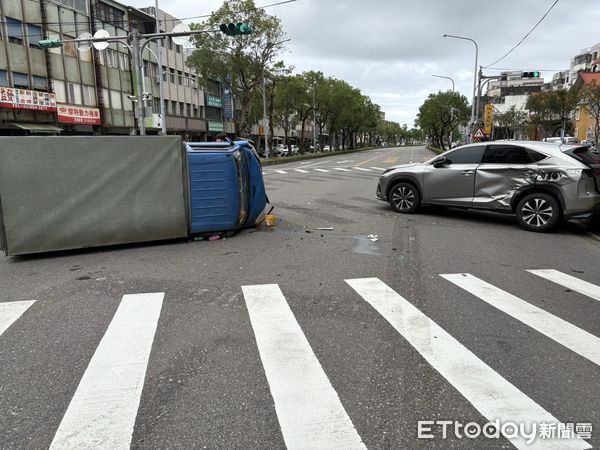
{"x": 467, "y": 173}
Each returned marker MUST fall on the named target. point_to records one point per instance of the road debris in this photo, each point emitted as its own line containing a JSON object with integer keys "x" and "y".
{"x": 325, "y": 228}
{"x": 373, "y": 237}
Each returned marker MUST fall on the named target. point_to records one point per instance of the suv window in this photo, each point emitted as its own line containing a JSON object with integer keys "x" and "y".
{"x": 585, "y": 155}
{"x": 537, "y": 156}
{"x": 506, "y": 154}
{"x": 468, "y": 155}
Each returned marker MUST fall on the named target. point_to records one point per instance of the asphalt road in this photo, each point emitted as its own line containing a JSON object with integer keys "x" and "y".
{"x": 304, "y": 337}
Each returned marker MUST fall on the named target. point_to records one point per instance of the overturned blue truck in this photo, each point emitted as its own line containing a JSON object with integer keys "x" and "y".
{"x": 72, "y": 192}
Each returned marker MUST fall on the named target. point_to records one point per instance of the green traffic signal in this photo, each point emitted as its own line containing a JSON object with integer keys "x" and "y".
{"x": 50, "y": 43}
{"x": 235, "y": 29}
{"x": 535, "y": 74}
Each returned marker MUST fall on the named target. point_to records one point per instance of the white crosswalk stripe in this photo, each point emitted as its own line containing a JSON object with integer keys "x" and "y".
{"x": 362, "y": 168}
{"x": 322, "y": 170}
{"x": 570, "y": 336}
{"x": 341, "y": 169}
{"x": 377, "y": 168}
{"x": 281, "y": 171}
{"x": 104, "y": 407}
{"x": 11, "y": 311}
{"x": 492, "y": 395}
{"x": 308, "y": 408}
{"x": 103, "y": 410}
{"x": 301, "y": 171}
{"x": 570, "y": 282}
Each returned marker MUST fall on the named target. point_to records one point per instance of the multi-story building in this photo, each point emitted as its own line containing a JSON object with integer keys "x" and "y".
{"x": 512, "y": 90}
{"x": 78, "y": 89}
{"x": 588, "y": 60}
{"x": 45, "y": 91}
{"x": 584, "y": 122}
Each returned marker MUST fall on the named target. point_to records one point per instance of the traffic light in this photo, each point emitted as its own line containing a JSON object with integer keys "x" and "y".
{"x": 235, "y": 29}
{"x": 530, "y": 74}
{"x": 50, "y": 43}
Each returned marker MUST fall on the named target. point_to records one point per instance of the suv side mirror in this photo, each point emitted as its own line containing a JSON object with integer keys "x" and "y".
{"x": 440, "y": 161}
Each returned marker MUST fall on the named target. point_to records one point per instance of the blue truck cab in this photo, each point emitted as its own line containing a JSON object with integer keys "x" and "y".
{"x": 225, "y": 185}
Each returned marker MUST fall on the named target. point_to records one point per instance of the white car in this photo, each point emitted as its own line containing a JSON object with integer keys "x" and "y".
{"x": 327, "y": 148}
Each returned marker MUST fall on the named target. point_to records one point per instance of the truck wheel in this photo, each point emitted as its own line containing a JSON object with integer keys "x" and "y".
{"x": 538, "y": 212}
{"x": 404, "y": 198}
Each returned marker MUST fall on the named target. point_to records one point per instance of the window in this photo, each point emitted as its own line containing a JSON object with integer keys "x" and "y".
{"x": 182, "y": 109}
{"x": 506, "y": 154}
{"x": 74, "y": 94}
{"x": 89, "y": 95}
{"x": 124, "y": 61}
{"x": 469, "y": 155}
{"x": 172, "y": 76}
{"x": 3, "y": 78}
{"x": 59, "y": 90}
{"x": 115, "y": 99}
{"x": 179, "y": 78}
{"x": 14, "y": 30}
{"x": 40, "y": 83}
{"x": 536, "y": 156}
{"x": 173, "y": 108}
{"x": 178, "y": 48}
{"x": 20, "y": 80}
{"x": 34, "y": 35}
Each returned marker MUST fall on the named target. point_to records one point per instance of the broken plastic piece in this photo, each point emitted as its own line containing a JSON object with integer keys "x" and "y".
{"x": 325, "y": 228}
{"x": 214, "y": 237}
{"x": 373, "y": 237}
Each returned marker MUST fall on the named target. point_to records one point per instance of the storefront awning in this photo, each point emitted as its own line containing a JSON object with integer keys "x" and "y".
{"x": 38, "y": 128}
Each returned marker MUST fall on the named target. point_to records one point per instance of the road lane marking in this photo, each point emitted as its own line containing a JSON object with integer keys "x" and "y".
{"x": 322, "y": 170}
{"x": 103, "y": 409}
{"x": 301, "y": 171}
{"x": 377, "y": 168}
{"x": 281, "y": 171}
{"x": 308, "y": 408}
{"x": 11, "y": 311}
{"x": 341, "y": 169}
{"x": 492, "y": 395}
{"x": 362, "y": 168}
{"x": 390, "y": 160}
{"x": 575, "y": 284}
{"x": 561, "y": 331}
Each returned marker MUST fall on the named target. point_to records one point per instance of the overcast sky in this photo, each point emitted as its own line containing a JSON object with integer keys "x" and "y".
{"x": 390, "y": 48}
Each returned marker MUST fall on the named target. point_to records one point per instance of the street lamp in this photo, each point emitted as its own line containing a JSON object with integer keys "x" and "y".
{"x": 447, "y": 78}
{"x": 474, "y": 72}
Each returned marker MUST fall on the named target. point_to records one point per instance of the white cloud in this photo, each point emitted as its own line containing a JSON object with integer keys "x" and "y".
{"x": 390, "y": 48}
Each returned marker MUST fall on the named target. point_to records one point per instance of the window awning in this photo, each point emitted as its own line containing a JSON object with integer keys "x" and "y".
{"x": 38, "y": 127}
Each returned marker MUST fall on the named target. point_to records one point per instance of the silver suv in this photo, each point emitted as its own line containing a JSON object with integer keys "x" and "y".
{"x": 540, "y": 182}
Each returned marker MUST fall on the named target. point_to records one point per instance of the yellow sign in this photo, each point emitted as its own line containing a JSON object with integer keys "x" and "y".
{"x": 488, "y": 118}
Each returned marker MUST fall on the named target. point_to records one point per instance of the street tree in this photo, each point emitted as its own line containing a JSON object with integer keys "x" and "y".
{"x": 243, "y": 57}
{"x": 509, "y": 122}
{"x": 590, "y": 97}
{"x": 440, "y": 114}
{"x": 288, "y": 89}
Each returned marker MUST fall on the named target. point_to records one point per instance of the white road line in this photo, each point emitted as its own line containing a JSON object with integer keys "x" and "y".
{"x": 575, "y": 284}
{"x": 281, "y": 171}
{"x": 492, "y": 395}
{"x": 301, "y": 171}
{"x": 322, "y": 170}
{"x": 308, "y": 408}
{"x": 377, "y": 168}
{"x": 11, "y": 311}
{"x": 103, "y": 410}
{"x": 566, "y": 334}
{"x": 341, "y": 169}
{"x": 362, "y": 168}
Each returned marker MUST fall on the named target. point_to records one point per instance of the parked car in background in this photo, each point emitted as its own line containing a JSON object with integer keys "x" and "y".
{"x": 540, "y": 182}
{"x": 327, "y": 148}
{"x": 565, "y": 140}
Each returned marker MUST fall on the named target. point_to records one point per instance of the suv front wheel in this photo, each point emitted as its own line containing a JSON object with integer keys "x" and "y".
{"x": 538, "y": 212}
{"x": 404, "y": 198}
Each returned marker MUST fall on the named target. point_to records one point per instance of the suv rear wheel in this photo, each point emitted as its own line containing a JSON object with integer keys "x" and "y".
{"x": 404, "y": 198}
{"x": 538, "y": 212}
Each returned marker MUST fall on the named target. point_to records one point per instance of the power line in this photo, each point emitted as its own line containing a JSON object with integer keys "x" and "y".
{"x": 86, "y": 22}
{"x": 524, "y": 37}
{"x": 516, "y": 70}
